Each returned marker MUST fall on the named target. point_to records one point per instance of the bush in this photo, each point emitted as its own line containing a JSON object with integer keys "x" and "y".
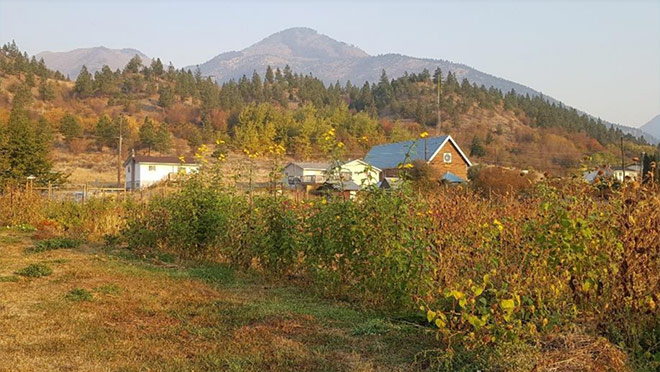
{"x": 486, "y": 271}
{"x": 35, "y": 271}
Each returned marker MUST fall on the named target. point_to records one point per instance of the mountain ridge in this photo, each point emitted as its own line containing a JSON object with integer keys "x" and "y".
{"x": 652, "y": 127}
{"x": 306, "y": 51}
{"x": 94, "y": 58}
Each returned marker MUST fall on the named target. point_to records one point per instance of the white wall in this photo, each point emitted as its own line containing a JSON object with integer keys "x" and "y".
{"x": 147, "y": 174}
{"x": 295, "y": 171}
{"x": 360, "y": 174}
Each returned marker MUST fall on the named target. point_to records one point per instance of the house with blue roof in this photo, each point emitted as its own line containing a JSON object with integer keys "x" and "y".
{"x": 441, "y": 153}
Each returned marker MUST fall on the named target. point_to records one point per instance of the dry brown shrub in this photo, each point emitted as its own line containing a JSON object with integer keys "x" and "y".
{"x": 575, "y": 352}
{"x": 78, "y": 145}
{"x": 502, "y": 181}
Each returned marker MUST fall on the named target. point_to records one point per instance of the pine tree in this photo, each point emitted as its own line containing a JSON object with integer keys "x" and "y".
{"x": 133, "y": 66}
{"x": 106, "y": 133}
{"x": 24, "y": 148}
{"x": 476, "y": 148}
{"x": 163, "y": 139}
{"x": 148, "y": 134}
{"x": 270, "y": 77}
{"x": 46, "y": 91}
{"x": 383, "y": 92}
{"x": 157, "y": 67}
{"x": 70, "y": 128}
{"x": 165, "y": 96}
{"x": 84, "y": 83}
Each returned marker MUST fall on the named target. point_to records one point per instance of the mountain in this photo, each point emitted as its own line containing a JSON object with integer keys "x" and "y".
{"x": 69, "y": 63}
{"x": 307, "y": 51}
{"x": 652, "y": 127}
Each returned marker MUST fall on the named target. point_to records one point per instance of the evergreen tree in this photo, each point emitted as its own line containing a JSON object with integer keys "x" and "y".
{"x": 133, "y": 66}
{"x": 70, "y": 128}
{"x": 270, "y": 77}
{"x": 106, "y": 133}
{"x": 46, "y": 90}
{"x": 163, "y": 139}
{"x": 383, "y": 92}
{"x": 476, "y": 148}
{"x": 84, "y": 83}
{"x": 165, "y": 96}
{"x": 24, "y": 148}
{"x": 148, "y": 134}
{"x": 157, "y": 67}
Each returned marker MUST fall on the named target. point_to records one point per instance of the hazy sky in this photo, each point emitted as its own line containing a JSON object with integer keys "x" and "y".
{"x": 601, "y": 57}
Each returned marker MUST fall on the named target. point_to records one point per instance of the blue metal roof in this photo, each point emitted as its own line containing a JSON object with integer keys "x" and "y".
{"x": 452, "y": 178}
{"x": 392, "y": 154}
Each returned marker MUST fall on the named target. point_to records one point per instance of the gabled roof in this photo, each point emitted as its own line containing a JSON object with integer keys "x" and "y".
{"x": 161, "y": 160}
{"x": 390, "y": 155}
{"x": 362, "y": 162}
{"x": 310, "y": 165}
{"x": 390, "y": 183}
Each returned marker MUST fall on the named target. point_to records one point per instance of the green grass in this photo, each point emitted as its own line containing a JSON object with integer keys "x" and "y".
{"x": 79, "y": 294}
{"x": 9, "y": 278}
{"x": 54, "y": 243}
{"x": 35, "y": 270}
{"x": 109, "y": 289}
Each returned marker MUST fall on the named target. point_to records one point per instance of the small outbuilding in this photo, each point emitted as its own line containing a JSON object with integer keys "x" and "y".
{"x": 143, "y": 170}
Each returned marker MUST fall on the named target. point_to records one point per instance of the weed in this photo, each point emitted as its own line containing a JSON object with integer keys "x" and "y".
{"x": 109, "y": 289}
{"x": 372, "y": 327}
{"x": 79, "y": 294}
{"x": 54, "y": 243}
{"x": 35, "y": 270}
{"x": 8, "y": 278}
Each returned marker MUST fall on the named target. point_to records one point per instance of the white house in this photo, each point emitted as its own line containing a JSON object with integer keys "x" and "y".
{"x": 305, "y": 173}
{"x": 143, "y": 171}
{"x": 360, "y": 172}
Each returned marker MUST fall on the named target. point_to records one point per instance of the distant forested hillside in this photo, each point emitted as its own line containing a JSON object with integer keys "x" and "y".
{"x": 173, "y": 111}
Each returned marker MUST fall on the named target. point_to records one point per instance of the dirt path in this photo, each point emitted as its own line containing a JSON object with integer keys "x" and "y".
{"x": 102, "y": 312}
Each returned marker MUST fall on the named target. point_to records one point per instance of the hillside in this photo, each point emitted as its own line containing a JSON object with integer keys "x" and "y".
{"x": 174, "y": 112}
{"x": 69, "y": 63}
{"x": 652, "y": 127}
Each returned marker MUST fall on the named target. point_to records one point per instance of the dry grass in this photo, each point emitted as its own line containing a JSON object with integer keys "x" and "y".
{"x": 147, "y": 317}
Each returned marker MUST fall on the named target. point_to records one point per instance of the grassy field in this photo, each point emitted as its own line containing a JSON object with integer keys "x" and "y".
{"x": 106, "y": 311}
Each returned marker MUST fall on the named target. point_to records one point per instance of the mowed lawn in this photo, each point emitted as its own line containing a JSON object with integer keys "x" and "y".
{"x": 106, "y": 311}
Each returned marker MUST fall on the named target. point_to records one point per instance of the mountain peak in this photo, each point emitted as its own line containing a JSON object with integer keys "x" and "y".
{"x": 304, "y": 42}
{"x": 652, "y": 127}
{"x": 94, "y": 58}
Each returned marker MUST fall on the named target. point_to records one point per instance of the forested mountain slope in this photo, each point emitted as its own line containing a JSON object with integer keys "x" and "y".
{"x": 169, "y": 111}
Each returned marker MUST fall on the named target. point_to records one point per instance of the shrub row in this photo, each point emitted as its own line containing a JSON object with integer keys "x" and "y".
{"x": 482, "y": 270}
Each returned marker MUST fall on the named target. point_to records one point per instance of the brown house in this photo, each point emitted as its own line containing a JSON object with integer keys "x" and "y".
{"x": 442, "y": 153}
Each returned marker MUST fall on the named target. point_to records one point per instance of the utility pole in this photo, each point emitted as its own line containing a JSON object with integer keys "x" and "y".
{"x": 641, "y": 166}
{"x": 119, "y": 165}
{"x": 439, "y": 92}
{"x": 623, "y": 162}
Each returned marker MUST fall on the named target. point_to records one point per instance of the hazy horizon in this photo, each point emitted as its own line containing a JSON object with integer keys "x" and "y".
{"x": 600, "y": 57}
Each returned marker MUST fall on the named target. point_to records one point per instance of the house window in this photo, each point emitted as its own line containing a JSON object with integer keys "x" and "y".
{"x": 446, "y": 157}
{"x": 128, "y": 169}
{"x": 152, "y": 168}
{"x": 291, "y": 180}
{"x": 346, "y": 176}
